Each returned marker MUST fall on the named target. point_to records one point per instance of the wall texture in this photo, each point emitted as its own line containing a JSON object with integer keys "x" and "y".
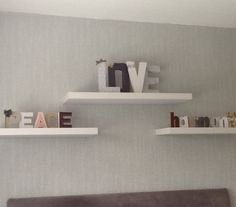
{"x": 43, "y": 57}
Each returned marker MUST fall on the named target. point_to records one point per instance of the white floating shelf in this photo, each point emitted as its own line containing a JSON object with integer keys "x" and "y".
{"x": 195, "y": 131}
{"x": 126, "y": 98}
{"x": 47, "y": 131}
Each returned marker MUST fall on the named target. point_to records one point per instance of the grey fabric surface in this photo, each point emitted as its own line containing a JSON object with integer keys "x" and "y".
{"x": 188, "y": 198}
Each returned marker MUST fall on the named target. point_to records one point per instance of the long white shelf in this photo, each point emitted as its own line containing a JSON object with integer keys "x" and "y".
{"x": 196, "y": 131}
{"x": 126, "y": 98}
{"x": 47, "y": 131}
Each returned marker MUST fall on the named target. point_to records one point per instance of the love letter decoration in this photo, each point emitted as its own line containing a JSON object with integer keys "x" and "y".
{"x": 144, "y": 78}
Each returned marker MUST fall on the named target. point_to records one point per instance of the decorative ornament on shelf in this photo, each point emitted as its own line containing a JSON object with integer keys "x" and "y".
{"x": 103, "y": 77}
{"x": 174, "y": 120}
{"x": 125, "y": 87}
{"x": 214, "y": 121}
{"x": 49, "y": 120}
{"x": 8, "y": 112}
{"x": 26, "y": 120}
{"x": 224, "y": 122}
{"x": 231, "y": 119}
{"x": 183, "y": 122}
{"x": 228, "y": 121}
{"x": 12, "y": 119}
{"x": 65, "y": 119}
{"x": 52, "y": 120}
{"x": 152, "y": 79}
{"x": 137, "y": 77}
{"x": 40, "y": 121}
{"x": 192, "y": 121}
{"x": 203, "y": 122}
{"x": 145, "y": 78}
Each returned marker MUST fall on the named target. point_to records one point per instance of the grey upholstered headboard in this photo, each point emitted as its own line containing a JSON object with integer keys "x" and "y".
{"x": 187, "y": 198}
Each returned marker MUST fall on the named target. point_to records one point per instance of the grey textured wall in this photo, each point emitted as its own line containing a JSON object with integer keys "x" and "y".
{"x": 43, "y": 57}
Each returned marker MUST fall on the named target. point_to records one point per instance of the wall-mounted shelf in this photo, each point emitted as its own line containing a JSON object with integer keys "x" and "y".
{"x": 47, "y": 131}
{"x": 195, "y": 131}
{"x": 126, "y": 98}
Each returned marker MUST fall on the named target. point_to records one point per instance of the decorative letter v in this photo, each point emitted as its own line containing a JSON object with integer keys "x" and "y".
{"x": 137, "y": 78}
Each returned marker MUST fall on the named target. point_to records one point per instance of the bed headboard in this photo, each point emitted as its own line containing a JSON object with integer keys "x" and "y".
{"x": 185, "y": 198}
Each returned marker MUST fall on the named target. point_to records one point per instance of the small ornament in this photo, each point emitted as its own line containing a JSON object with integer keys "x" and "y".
{"x": 234, "y": 118}
{"x": 214, "y": 121}
{"x": 203, "y": 122}
{"x": 231, "y": 119}
{"x": 152, "y": 80}
{"x": 65, "y": 119}
{"x": 192, "y": 121}
{"x": 137, "y": 78}
{"x": 174, "y": 120}
{"x": 103, "y": 77}
{"x": 8, "y": 113}
{"x": 12, "y": 119}
{"x": 40, "y": 121}
{"x": 52, "y": 120}
{"x": 223, "y": 122}
{"x": 125, "y": 76}
{"x": 183, "y": 122}
{"x": 100, "y": 61}
{"x": 26, "y": 120}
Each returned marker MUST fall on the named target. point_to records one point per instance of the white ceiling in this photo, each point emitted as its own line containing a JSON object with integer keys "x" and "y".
{"x": 218, "y": 13}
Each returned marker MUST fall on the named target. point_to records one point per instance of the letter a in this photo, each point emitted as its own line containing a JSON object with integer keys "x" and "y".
{"x": 40, "y": 121}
